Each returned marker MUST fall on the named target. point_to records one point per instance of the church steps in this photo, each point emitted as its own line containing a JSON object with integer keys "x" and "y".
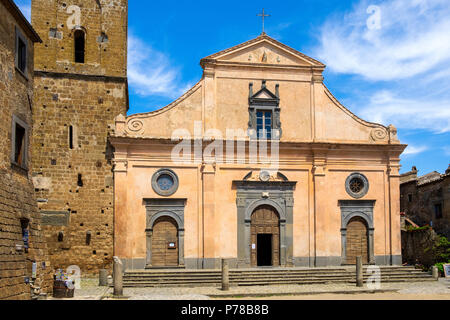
{"x": 259, "y": 274}
{"x": 269, "y": 277}
{"x": 262, "y": 283}
{"x": 258, "y": 277}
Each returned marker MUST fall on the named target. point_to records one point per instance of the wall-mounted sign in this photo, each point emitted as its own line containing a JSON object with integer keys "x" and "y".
{"x": 253, "y": 246}
{"x": 447, "y": 270}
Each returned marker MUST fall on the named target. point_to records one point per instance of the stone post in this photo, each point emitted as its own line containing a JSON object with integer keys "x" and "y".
{"x": 103, "y": 278}
{"x": 435, "y": 272}
{"x": 118, "y": 277}
{"x": 359, "y": 272}
{"x": 225, "y": 275}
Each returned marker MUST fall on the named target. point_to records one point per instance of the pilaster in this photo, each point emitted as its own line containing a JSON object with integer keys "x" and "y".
{"x": 209, "y": 223}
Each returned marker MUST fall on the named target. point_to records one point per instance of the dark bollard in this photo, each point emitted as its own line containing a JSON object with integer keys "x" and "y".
{"x": 225, "y": 275}
{"x": 103, "y": 278}
{"x": 359, "y": 272}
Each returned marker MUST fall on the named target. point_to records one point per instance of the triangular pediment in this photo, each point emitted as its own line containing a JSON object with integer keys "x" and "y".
{"x": 264, "y": 50}
{"x": 263, "y": 95}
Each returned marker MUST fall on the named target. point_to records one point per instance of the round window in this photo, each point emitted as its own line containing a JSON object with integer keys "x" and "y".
{"x": 165, "y": 182}
{"x": 357, "y": 185}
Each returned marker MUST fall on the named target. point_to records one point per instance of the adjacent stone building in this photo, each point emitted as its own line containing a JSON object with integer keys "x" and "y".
{"x": 426, "y": 199}
{"x": 194, "y": 183}
{"x": 23, "y": 254}
{"x": 80, "y": 87}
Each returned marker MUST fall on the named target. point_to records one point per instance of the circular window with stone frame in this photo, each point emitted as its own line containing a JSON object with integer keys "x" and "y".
{"x": 357, "y": 185}
{"x": 165, "y": 182}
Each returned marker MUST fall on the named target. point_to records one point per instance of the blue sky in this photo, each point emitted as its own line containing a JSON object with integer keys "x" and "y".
{"x": 387, "y": 61}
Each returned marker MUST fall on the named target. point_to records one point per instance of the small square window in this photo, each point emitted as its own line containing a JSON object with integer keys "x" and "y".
{"x": 19, "y": 141}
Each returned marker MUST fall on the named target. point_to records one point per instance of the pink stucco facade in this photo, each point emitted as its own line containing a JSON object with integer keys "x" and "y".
{"x": 321, "y": 145}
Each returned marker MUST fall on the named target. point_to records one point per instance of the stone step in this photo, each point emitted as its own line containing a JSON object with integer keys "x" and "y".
{"x": 254, "y": 277}
{"x": 269, "y": 275}
{"x": 267, "y": 278}
{"x": 256, "y": 283}
{"x": 262, "y": 270}
{"x": 274, "y": 280}
{"x": 266, "y": 272}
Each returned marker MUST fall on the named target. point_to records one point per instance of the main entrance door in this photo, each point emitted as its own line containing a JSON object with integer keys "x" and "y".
{"x": 165, "y": 243}
{"x": 357, "y": 241}
{"x": 265, "y": 237}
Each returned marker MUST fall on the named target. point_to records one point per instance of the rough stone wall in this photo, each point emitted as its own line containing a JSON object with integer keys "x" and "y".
{"x": 17, "y": 200}
{"x": 417, "y": 247}
{"x": 406, "y": 189}
{"x": 75, "y": 107}
{"x": 424, "y": 198}
{"x": 88, "y": 203}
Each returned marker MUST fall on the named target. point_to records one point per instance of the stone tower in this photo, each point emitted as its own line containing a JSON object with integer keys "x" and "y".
{"x": 80, "y": 87}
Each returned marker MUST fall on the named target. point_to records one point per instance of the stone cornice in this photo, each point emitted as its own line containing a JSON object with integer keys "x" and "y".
{"x": 306, "y": 145}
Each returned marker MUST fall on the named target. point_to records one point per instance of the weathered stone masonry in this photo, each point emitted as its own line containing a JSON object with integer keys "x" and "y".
{"x": 76, "y": 104}
{"x": 17, "y": 200}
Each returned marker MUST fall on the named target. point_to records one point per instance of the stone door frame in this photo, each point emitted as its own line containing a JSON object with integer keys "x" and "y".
{"x": 357, "y": 208}
{"x": 157, "y": 208}
{"x": 253, "y": 194}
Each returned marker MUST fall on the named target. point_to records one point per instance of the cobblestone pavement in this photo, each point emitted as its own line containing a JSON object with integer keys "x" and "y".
{"x": 439, "y": 289}
{"x": 410, "y": 290}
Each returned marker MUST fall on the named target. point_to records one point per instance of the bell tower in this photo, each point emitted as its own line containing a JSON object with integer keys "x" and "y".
{"x": 81, "y": 36}
{"x": 80, "y": 87}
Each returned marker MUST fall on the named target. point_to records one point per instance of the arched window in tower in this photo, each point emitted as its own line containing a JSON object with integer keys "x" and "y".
{"x": 79, "y": 36}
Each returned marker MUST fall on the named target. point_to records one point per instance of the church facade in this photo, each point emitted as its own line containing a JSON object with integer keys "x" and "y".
{"x": 257, "y": 163}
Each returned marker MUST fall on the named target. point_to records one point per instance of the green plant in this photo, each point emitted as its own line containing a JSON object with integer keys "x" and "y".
{"x": 412, "y": 228}
{"x": 441, "y": 250}
{"x": 440, "y": 266}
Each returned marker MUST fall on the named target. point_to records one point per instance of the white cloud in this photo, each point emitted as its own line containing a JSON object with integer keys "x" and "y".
{"x": 150, "y": 72}
{"x": 413, "y": 150}
{"x": 413, "y": 38}
{"x": 384, "y": 107}
{"x": 405, "y": 62}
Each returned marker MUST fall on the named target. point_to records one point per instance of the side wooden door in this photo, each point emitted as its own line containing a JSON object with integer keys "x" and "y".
{"x": 165, "y": 243}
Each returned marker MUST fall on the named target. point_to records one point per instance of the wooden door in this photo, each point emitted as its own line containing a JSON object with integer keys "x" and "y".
{"x": 265, "y": 220}
{"x": 165, "y": 243}
{"x": 357, "y": 241}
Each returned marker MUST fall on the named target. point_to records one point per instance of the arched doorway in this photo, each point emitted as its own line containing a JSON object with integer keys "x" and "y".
{"x": 357, "y": 241}
{"x": 265, "y": 237}
{"x": 164, "y": 243}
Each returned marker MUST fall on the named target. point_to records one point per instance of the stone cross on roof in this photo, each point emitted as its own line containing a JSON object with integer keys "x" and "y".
{"x": 263, "y": 15}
